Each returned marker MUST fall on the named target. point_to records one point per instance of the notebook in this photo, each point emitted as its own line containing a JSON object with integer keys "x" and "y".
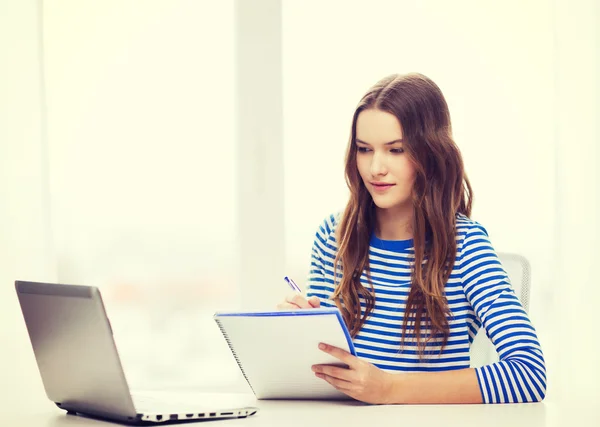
{"x": 275, "y": 350}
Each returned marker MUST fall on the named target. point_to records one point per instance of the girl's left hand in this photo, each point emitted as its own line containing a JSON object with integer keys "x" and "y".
{"x": 361, "y": 380}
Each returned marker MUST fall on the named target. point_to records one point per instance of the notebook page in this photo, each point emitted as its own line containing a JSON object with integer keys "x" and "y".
{"x": 276, "y": 353}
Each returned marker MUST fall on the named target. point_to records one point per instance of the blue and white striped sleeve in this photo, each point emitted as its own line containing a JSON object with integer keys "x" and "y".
{"x": 520, "y": 374}
{"x": 320, "y": 283}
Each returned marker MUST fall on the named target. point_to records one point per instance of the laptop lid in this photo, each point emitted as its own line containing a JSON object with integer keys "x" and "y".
{"x": 74, "y": 348}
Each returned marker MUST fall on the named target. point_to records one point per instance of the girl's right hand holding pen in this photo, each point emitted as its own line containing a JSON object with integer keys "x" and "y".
{"x": 296, "y": 300}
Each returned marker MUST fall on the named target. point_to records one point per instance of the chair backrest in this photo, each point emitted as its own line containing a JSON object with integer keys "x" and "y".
{"x": 519, "y": 272}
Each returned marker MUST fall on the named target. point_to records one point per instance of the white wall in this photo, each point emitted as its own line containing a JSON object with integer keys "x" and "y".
{"x": 577, "y": 236}
{"x": 25, "y": 247}
{"x": 259, "y": 153}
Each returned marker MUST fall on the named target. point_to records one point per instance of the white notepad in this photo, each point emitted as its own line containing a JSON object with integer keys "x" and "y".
{"x": 276, "y": 349}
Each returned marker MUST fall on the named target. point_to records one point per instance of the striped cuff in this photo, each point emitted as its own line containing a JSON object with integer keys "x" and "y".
{"x": 506, "y": 382}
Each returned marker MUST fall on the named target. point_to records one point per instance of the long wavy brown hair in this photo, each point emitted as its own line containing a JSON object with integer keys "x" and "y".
{"x": 441, "y": 190}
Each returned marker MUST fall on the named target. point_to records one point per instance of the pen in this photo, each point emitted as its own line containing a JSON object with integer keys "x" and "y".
{"x": 292, "y": 284}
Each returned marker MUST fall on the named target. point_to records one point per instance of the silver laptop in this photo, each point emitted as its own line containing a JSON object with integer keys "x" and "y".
{"x": 81, "y": 370}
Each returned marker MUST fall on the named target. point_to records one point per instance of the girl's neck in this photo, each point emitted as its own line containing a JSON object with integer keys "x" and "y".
{"x": 394, "y": 224}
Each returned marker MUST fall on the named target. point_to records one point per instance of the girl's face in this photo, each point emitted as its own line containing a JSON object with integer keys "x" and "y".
{"x": 384, "y": 167}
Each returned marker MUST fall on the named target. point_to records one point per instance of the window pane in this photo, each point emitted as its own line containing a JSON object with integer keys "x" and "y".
{"x": 141, "y": 143}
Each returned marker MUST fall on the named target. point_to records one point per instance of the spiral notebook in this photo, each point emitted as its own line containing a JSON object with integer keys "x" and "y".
{"x": 276, "y": 349}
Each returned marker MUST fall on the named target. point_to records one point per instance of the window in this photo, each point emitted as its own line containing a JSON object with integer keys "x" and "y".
{"x": 141, "y": 147}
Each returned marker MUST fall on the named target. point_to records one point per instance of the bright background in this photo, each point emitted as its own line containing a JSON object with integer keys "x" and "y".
{"x": 181, "y": 154}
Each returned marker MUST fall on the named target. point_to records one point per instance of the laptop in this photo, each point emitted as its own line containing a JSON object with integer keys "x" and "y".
{"x": 81, "y": 370}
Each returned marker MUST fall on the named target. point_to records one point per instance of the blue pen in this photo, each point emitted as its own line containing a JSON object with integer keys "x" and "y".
{"x": 292, "y": 284}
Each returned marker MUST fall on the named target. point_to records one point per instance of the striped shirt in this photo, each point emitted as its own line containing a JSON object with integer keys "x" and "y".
{"x": 478, "y": 292}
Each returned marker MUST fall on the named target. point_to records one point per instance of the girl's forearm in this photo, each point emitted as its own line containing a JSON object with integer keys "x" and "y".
{"x": 460, "y": 386}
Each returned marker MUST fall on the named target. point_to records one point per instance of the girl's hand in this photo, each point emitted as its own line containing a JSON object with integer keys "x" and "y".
{"x": 296, "y": 300}
{"x": 361, "y": 380}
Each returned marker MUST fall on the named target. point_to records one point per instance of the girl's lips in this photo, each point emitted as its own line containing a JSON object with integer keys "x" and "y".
{"x": 381, "y": 187}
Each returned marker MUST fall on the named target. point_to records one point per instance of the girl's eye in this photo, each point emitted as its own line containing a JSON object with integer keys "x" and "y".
{"x": 397, "y": 150}
{"x": 363, "y": 149}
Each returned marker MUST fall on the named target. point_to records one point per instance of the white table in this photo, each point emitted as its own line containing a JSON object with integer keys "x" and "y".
{"x": 573, "y": 399}
{"x": 314, "y": 413}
